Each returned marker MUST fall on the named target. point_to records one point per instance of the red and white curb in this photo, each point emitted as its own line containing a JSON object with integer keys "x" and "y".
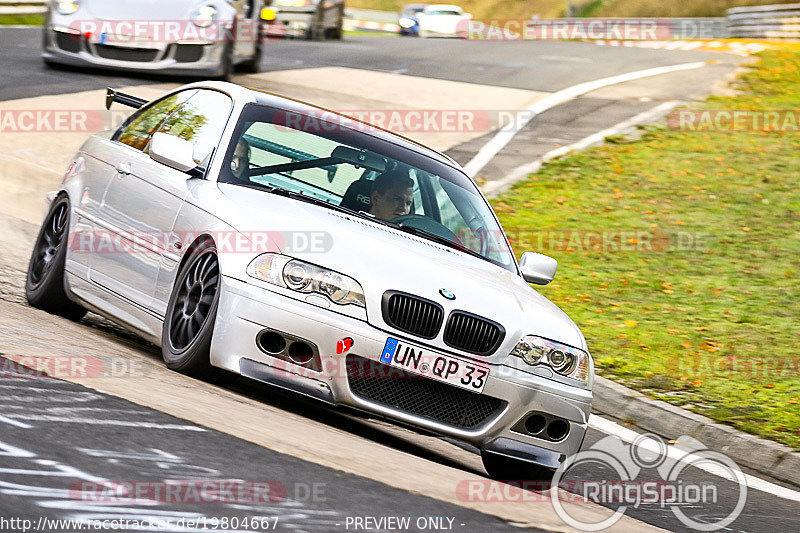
{"x": 731, "y": 47}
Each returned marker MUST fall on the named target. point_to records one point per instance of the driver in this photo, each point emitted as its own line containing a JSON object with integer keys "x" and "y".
{"x": 392, "y": 195}
{"x": 240, "y": 163}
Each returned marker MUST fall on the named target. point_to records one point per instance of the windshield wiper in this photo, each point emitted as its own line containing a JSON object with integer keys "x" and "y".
{"x": 438, "y": 238}
{"x": 280, "y": 191}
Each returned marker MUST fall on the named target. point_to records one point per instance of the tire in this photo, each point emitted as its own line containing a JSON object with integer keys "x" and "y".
{"x": 44, "y": 284}
{"x": 315, "y": 33}
{"x": 191, "y": 313}
{"x": 334, "y": 34}
{"x": 316, "y": 30}
{"x": 226, "y": 65}
{"x": 253, "y": 65}
{"x": 337, "y": 33}
{"x": 504, "y": 468}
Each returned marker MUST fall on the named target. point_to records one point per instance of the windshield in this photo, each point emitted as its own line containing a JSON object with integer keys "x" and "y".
{"x": 442, "y": 12}
{"x": 369, "y": 176}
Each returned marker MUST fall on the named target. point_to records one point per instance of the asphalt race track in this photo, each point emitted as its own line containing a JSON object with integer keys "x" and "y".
{"x": 325, "y": 470}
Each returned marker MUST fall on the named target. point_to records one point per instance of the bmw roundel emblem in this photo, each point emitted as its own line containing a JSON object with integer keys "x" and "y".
{"x": 447, "y": 294}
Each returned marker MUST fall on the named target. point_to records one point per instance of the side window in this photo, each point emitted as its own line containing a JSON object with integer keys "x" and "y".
{"x": 271, "y": 144}
{"x": 138, "y": 129}
{"x": 200, "y": 120}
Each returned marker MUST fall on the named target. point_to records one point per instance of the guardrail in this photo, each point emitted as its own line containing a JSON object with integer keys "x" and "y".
{"x": 780, "y": 21}
{"x": 22, "y": 7}
{"x": 355, "y": 19}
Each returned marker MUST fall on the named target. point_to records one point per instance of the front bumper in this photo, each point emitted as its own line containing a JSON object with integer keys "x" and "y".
{"x": 246, "y": 309}
{"x": 61, "y": 45}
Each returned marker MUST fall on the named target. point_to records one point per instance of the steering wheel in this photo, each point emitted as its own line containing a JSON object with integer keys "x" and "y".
{"x": 426, "y": 224}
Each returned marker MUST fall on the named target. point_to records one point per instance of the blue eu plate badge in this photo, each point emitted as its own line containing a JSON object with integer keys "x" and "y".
{"x": 389, "y": 349}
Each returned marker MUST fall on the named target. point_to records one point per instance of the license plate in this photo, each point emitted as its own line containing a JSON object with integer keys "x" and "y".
{"x": 127, "y": 41}
{"x": 444, "y": 368}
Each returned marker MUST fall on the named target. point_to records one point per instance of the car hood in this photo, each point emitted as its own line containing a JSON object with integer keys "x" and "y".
{"x": 143, "y": 9}
{"x": 381, "y": 258}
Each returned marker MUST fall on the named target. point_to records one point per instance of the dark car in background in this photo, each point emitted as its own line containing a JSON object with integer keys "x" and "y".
{"x": 409, "y": 25}
{"x": 310, "y": 19}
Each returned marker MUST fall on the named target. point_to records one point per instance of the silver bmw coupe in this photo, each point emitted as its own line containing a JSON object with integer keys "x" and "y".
{"x": 253, "y": 234}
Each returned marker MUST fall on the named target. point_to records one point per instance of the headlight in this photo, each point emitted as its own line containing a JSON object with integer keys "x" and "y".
{"x": 67, "y": 7}
{"x": 406, "y": 22}
{"x": 204, "y": 16}
{"x": 307, "y": 278}
{"x": 564, "y": 360}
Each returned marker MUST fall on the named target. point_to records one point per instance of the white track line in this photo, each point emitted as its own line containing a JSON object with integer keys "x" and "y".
{"x": 504, "y": 136}
{"x": 495, "y": 187}
{"x": 100, "y": 422}
{"x": 608, "y": 427}
{"x": 12, "y": 422}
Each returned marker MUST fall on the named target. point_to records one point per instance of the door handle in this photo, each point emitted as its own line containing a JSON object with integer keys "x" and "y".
{"x": 123, "y": 168}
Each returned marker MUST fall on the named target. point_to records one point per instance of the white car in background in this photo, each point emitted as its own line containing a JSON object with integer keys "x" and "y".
{"x": 442, "y": 20}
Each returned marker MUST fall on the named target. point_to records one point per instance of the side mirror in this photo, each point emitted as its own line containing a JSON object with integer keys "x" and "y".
{"x": 538, "y": 268}
{"x": 172, "y": 151}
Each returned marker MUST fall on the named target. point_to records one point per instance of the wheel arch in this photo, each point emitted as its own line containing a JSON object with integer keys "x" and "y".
{"x": 205, "y": 236}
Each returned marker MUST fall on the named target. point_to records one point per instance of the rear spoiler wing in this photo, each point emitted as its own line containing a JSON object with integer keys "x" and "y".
{"x": 122, "y": 98}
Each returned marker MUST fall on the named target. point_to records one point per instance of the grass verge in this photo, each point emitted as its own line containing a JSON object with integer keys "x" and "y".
{"x": 679, "y": 255}
{"x": 21, "y": 20}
